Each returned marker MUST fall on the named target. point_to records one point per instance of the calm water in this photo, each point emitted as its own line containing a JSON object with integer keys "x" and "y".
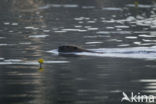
{"x": 32, "y": 30}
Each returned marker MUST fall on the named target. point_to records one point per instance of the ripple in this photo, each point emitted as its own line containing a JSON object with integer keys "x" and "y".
{"x": 93, "y": 42}
{"x": 25, "y": 43}
{"x": 21, "y": 62}
{"x": 70, "y": 29}
{"x": 114, "y": 32}
{"x": 115, "y": 40}
{"x": 6, "y": 23}
{"x": 122, "y": 27}
{"x": 14, "y": 24}
{"x": 151, "y": 66}
{"x": 59, "y": 6}
{"x": 55, "y": 29}
{"x": 54, "y": 5}
{"x": 131, "y": 37}
{"x": 1, "y": 58}
{"x": 23, "y": 74}
{"x": 79, "y": 19}
{"x": 11, "y": 31}
{"x": 98, "y": 36}
{"x": 91, "y": 21}
{"x": 12, "y": 60}
{"x": 31, "y": 27}
{"x": 153, "y": 27}
{"x": 124, "y": 45}
{"x": 54, "y": 51}
{"x": 78, "y": 26}
{"x": 109, "y": 21}
{"x": 44, "y": 7}
{"x": 143, "y": 23}
{"x": 82, "y": 30}
{"x": 60, "y": 31}
{"x": 140, "y": 17}
{"x": 80, "y": 22}
{"x": 146, "y": 40}
{"x": 139, "y": 6}
{"x": 73, "y": 30}
{"x": 110, "y": 28}
{"x": 92, "y": 28}
{"x": 112, "y": 9}
{"x": 46, "y": 31}
{"x": 141, "y": 32}
{"x": 87, "y": 26}
{"x": 147, "y": 80}
{"x": 103, "y": 32}
{"x": 38, "y": 36}
{"x": 4, "y": 44}
{"x": 2, "y": 37}
{"x": 130, "y": 18}
{"x": 115, "y": 91}
{"x": 146, "y": 36}
{"x": 149, "y": 91}
{"x": 70, "y": 5}
{"x": 148, "y": 44}
{"x": 56, "y": 62}
{"x": 150, "y": 85}
{"x": 137, "y": 43}
{"x": 88, "y": 7}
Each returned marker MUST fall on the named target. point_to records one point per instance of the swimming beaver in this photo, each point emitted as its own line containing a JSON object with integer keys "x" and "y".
{"x": 70, "y": 48}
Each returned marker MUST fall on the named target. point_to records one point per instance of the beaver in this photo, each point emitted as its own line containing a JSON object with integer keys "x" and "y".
{"x": 71, "y": 48}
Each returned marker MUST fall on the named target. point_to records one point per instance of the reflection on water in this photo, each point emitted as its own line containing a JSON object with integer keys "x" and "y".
{"x": 123, "y": 31}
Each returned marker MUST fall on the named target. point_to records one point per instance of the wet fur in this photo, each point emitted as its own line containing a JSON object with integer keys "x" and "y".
{"x": 70, "y": 48}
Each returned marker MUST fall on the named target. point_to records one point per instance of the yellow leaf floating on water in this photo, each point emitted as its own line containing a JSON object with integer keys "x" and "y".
{"x": 41, "y": 61}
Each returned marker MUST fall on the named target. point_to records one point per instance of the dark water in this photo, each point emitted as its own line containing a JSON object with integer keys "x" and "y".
{"x": 28, "y": 29}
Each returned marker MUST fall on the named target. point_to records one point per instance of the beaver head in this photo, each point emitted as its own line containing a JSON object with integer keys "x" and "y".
{"x": 69, "y": 49}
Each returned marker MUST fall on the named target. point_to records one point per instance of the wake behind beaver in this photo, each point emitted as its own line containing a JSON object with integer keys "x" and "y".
{"x": 130, "y": 52}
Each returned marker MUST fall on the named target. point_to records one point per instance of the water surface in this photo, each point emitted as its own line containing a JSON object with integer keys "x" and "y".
{"x": 126, "y": 33}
